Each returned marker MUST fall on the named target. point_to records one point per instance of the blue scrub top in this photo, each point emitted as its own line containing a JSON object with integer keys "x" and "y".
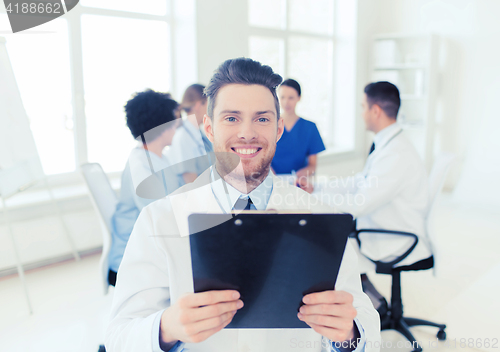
{"x": 295, "y": 146}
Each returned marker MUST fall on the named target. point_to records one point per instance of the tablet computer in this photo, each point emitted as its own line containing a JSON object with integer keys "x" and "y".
{"x": 272, "y": 259}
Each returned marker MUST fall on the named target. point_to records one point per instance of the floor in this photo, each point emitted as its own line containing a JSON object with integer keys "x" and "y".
{"x": 70, "y": 311}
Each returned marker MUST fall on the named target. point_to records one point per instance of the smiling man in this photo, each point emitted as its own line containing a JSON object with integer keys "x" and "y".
{"x": 154, "y": 307}
{"x": 248, "y": 125}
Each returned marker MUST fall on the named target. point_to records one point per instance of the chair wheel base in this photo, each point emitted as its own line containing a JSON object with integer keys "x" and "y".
{"x": 441, "y": 335}
{"x": 403, "y": 325}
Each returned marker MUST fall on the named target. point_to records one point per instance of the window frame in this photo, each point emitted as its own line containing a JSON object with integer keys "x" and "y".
{"x": 76, "y": 58}
{"x": 74, "y": 25}
{"x": 285, "y": 34}
{"x": 338, "y": 36}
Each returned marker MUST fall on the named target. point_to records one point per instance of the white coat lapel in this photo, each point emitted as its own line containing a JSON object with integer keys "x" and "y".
{"x": 198, "y": 199}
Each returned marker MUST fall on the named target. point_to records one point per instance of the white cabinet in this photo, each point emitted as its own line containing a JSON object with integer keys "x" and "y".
{"x": 410, "y": 62}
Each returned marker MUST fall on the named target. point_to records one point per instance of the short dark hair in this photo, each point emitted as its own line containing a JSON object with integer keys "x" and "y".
{"x": 292, "y": 84}
{"x": 385, "y": 95}
{"x": 147, "y": 110}
{"x": 193, "y": 94}
{"x": 242, "y": 71}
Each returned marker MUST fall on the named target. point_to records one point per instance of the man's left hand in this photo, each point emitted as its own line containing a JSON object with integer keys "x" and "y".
{"x": 306, "y": 183}
{"x": 330, "y": 313}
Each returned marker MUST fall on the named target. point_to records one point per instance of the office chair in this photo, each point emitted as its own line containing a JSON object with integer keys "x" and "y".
{"x": 104, "y": 200}
{"x": 394, "y": 318}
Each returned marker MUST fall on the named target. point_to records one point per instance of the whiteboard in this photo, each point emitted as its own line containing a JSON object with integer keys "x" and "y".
{"x": 20, "y": 164}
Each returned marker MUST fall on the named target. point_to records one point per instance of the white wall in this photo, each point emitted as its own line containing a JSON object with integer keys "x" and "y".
{"x": 184, "y": 50}
{"x": 222, "y": 33}
{"x": 469, "y": 65}
{"x": 368, "y": 22}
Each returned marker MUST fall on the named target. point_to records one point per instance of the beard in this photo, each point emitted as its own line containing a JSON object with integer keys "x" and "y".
{"x": 252, "y": 172}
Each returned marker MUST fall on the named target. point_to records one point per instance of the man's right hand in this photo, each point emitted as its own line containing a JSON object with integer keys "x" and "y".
{"x": 197, "y": 316}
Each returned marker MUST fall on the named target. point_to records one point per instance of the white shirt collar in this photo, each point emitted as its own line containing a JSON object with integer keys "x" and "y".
{"x": 259, "y": 196}
{"x": 383, "y": 136}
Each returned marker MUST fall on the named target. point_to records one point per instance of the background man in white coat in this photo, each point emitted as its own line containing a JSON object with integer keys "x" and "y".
{"x": 391, "y": 192}
{"x": 154, "y": 306}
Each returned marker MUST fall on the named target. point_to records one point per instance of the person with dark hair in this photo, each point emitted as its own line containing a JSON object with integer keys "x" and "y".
{"x": 195, "y": 102}
{"x": 190, "y": 141}
{"x": 151, "y": 118}
{"x": 154, "y": 307}
{"x": 386, "y": 96}
{"x": 392, "y": 190}
{"x": 297, "y": 149}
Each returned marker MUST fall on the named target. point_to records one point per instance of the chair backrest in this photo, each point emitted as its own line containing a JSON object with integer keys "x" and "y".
{"x": 437, "y": 177}
{"x": 102, "y": 193}
{"x": 104, "y": 200}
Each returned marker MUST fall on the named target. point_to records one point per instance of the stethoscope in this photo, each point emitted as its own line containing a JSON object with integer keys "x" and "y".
{"x": 399, "y": 132}
{"x": 201, "y": 147}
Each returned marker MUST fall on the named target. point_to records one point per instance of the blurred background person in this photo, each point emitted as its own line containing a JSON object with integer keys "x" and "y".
{"x": 152, "y": 115}
{"x": 190, "y": 141}
{"x": 393, "y": 184}
{"x": 296, "y": 151}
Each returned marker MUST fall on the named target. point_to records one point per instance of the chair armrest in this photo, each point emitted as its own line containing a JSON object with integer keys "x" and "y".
{"x": 386, "y": 267}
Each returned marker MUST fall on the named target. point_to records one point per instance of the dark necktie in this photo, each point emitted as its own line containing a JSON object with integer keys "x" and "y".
{"x": 372, "y": 148}
{"x": 242, "y": 204}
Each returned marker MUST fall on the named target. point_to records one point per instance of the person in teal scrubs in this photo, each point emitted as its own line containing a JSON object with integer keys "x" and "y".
{"x": 296, "y": 151}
